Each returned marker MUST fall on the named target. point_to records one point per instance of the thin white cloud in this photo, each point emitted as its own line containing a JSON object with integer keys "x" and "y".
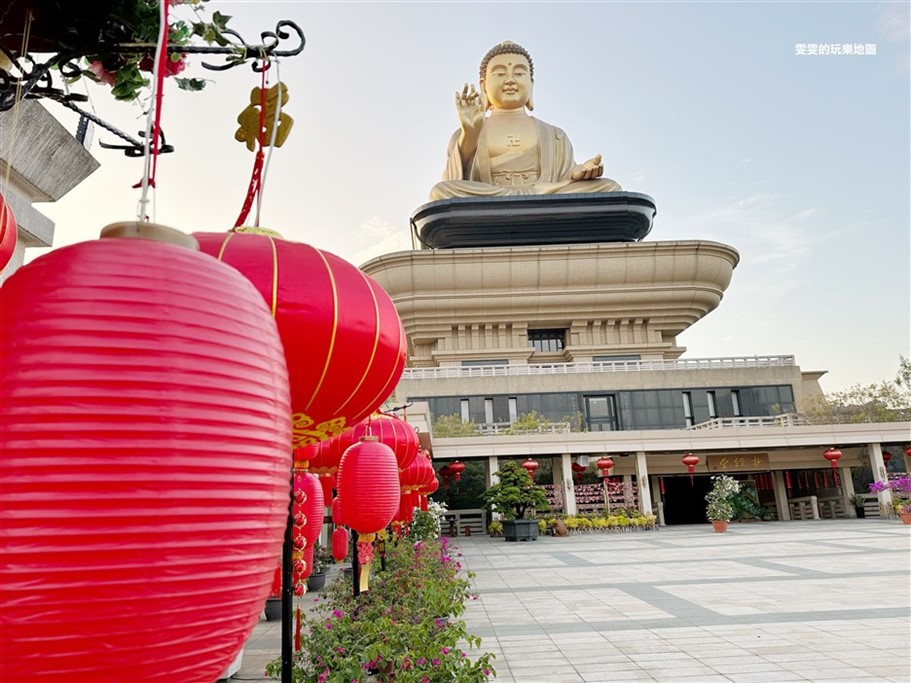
{"x": 376, "y": 237}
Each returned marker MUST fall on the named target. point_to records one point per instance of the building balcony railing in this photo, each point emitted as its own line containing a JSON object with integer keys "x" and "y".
{"x": 507, "y": 428}
{"x": 732, "y": 363}
{"x": 785, "y": 420}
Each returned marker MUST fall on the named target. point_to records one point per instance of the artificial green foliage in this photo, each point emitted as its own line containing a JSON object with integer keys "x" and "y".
{"x": 406, "y": 628}
{"x": 514, "y": 494}
{"x": 719, "y": 498}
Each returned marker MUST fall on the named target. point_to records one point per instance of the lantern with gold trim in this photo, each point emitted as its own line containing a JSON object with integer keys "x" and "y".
{"x": 368, "y": 495}
{"x": 145, "y": 429}
{"x": 343, "y": 339}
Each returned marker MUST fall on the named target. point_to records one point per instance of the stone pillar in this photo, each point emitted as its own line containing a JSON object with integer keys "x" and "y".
{"x": 907, "y": 456}
{"x": 493, "y": 466}
{"x": 781, "y": 496}
{"x": 847, "y": 490}
{"x": 879, "y": 474}
{"x": 563, "y": 480}
{"x": 656, "y": 486}
{"x": 645, "y": 494}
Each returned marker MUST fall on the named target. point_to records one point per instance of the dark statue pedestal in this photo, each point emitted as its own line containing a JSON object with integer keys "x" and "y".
{"x": 534, "y": 220}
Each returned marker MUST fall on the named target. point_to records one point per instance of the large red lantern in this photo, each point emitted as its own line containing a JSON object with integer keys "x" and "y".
{"x": 144, "y": 440}
{"x": 605, "y": 464}
{"x": 690, "y": 461}
{"x": 8, "y": 233}
{"x": 368, "y": 488}
{"x": 343, "y": 339}
{"x": 530, "y": 466}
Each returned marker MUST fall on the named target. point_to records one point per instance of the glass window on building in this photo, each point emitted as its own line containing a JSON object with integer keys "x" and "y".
{"x": 687, "y": 408}
{"x": 735, "y": 400}
{"x": 465, "y": 411}
{"x": 547, "y": 341}
{"x": 488, "y": 410}
{"x": 513, "y": 408}
{"x": 601, "y": 413}
{"x": 710, "y": 397}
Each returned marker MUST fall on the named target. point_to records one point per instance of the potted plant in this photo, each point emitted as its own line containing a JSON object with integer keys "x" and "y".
{"x": 514, "y": 496}
{"x": 720, "y": 507}
{"x": 858, "y": 501}
{"x": 321, "y": 559}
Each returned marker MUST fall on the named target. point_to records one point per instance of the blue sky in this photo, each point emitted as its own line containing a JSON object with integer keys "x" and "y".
{"x": 799, "y": 162}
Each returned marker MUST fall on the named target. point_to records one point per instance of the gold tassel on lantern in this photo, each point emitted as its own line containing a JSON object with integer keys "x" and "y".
{"x": 364, "y": 558}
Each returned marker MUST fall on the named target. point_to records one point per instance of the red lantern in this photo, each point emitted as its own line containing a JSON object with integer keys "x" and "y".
{"x": 338, "y": 515}
{"x": 445, "y": 472}
{"x": 787, "y": 480}
{"x": 832, "y": 455}
{"x": 530, "y": 466}
{"x": 887, "y": 456}
{"x": 908, "y": 451}
{"x": 690, "y": 461}
{"x": 311, "y": 506}
{"x": 368, "y": 487}
{"x": 145, "y": 431}
{"x": 605, "y": 464}
{"x": 343, "y": 339}
{"x": 456, "y": 468}
{"x": 578, "y": 469}
{"x": 340, "y": 542}
{"x": 8, "y": 233}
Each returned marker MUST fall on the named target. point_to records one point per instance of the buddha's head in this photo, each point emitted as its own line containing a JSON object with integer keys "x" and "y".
{"x": 507, "y": 76}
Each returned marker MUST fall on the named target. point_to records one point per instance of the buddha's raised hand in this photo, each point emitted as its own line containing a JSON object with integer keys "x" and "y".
{"x": 588, "y": 170}
{"x": 471, "y": 107}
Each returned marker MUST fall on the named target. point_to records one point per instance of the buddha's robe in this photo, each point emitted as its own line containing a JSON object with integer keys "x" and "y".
{"x": 542, "y": 169}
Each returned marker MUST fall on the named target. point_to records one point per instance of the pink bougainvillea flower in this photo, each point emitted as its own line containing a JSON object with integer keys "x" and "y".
{"x": 101, "y": 73}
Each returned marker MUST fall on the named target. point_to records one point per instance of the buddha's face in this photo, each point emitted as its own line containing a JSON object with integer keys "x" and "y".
{"x": 508, "y": 82}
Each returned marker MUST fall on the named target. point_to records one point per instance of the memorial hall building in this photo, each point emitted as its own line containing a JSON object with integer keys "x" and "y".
{"x": 560, "y": 306}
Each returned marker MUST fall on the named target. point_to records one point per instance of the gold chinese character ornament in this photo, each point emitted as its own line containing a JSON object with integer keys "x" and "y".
{"x": 249, "y": 119}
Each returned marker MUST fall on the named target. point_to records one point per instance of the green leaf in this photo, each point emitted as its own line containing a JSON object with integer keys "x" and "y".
{"x": 191, "y": 84}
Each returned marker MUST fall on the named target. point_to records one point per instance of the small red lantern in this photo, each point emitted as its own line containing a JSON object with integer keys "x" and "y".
{"x": 530, "y": 466}
{"x": 343, "y": 339}
{"x": 605, "y": 464}
{"x": 8, "y": 233}
{"x": 445, "y": 472}
{"x": 578, "y": 469}
{"x": 144, "y": 439}
{"x": 887, "y": 456}
{"x": 832, "y": 455}
{"x": 338, "y": 515}
{"x": 690, "y": 461}
{"x": 340, "y": 541}
{"x": 908, "y": 451}
{"x": 456, "y": 468}
{"x": 368, "y": 488}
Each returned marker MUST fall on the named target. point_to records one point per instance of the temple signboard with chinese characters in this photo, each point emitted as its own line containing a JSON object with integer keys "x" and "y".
{"x": 748, "y": 462}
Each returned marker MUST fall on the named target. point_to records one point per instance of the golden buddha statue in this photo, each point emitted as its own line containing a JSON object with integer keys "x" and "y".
{"x": 510, "y": 152}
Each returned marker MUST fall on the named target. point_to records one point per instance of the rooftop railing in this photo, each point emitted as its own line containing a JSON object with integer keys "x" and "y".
{"x": 732, "y": 363}
{"x": 785, "y": 420}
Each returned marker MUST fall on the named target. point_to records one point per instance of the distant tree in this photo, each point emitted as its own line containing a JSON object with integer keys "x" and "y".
{"x": 888, "y": 401}
{"x": 514, "y": 493}
{"x": 450, "y": 426}
{"x": 527, "y": 423}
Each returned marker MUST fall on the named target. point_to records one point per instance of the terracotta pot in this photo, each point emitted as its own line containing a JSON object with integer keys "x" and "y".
{"x": 719, "y": 525}
{"x": 906, "y": 517}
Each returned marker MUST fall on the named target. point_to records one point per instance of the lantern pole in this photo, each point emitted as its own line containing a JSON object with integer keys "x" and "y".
{"x": 355, "y": 567}
{"x": 288, "y": 595}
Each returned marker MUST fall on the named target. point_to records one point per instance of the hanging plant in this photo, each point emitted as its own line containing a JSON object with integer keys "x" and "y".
{"x": 127, "y": 53}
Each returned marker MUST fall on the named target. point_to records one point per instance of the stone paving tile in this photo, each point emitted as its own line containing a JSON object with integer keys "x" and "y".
{"x": 789, "y": 601}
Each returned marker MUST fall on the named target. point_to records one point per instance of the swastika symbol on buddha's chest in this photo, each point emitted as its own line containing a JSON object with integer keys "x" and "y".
{"x": 513, "y": 141}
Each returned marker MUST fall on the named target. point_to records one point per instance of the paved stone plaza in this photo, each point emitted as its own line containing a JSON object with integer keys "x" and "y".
{"x": 775, "y": 601}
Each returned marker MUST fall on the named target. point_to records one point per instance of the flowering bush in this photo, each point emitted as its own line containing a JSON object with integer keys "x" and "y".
{"x": 901, "y": 492}
{"x": 427, "y": 524}
{"x": 405, "y": 628}
{"x": 720, "y": 498}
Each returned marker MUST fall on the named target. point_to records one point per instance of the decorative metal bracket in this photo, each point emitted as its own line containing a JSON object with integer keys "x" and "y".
{"x": 36, "y": 80}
